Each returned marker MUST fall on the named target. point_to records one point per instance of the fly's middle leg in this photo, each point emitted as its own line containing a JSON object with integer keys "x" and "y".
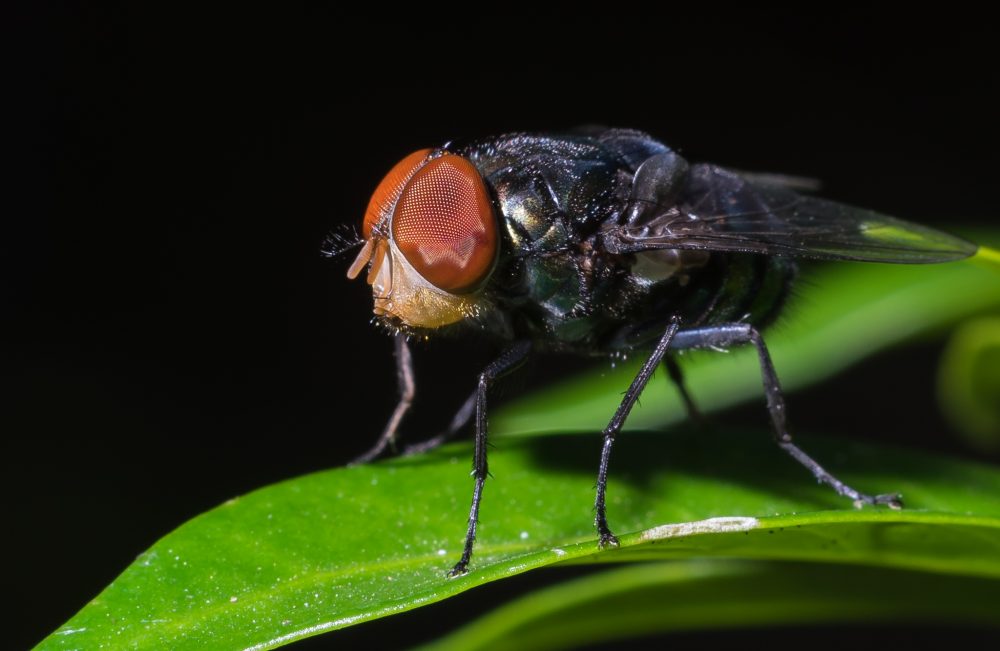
{"x": 508, "y": 361}
{"x": 614, "y": 426}
{"x": 743, "y": 333}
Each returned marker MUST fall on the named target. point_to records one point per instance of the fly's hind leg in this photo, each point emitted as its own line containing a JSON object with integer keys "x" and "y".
{"x": 722, "y": 336}
{"x": 614, "y": 426}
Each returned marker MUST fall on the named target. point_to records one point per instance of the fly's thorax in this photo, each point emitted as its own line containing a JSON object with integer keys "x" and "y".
{"x": 550, "y": 189}
{"x": 553, "y": 194}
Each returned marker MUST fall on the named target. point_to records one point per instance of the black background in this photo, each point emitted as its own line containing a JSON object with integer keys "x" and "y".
{"x": 173, "y": 337}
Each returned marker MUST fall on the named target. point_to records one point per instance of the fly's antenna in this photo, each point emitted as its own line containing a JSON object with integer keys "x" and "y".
{"x": 340, "y": 240}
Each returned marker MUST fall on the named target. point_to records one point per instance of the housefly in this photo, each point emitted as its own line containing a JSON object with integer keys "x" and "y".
{"x": 602, "y": 242}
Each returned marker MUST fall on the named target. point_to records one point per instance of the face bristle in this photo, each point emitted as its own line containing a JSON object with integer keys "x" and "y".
{"x": 340, "y": 240}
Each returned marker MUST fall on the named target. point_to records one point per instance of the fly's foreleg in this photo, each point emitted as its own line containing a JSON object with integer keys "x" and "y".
{"x": 407, "y": 389}
{"x": 508, "y": 361}
{"x": 741, "y": 333}
{"x": 617, "y": 421}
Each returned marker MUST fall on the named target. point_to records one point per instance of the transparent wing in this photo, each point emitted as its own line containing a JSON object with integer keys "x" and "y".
{"x": 721, "y": 211}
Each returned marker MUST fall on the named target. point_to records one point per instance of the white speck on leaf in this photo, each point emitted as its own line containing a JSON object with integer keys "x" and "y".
{"x": 711, "y": 525}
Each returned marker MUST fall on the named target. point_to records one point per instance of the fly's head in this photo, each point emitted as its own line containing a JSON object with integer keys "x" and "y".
{"x": 430, "y": 241}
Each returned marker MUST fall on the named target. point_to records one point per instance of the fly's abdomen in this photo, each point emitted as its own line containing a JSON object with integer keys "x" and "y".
{"x": 752, "y": 289}
{"x": 724, "y": 288}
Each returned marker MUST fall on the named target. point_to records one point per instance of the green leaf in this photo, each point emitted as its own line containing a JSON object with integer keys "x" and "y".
{"x": 332, "y": 549}
{"x": 709, "y": 594}
{"x": 348, "y": 545}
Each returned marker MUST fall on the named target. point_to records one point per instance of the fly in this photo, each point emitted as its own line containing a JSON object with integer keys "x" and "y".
{"x": 601, "y": 243}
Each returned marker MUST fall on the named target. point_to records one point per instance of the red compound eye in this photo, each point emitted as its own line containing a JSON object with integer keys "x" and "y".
{"x": 389, "y": 189}
{"x": 444, "y": 224}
